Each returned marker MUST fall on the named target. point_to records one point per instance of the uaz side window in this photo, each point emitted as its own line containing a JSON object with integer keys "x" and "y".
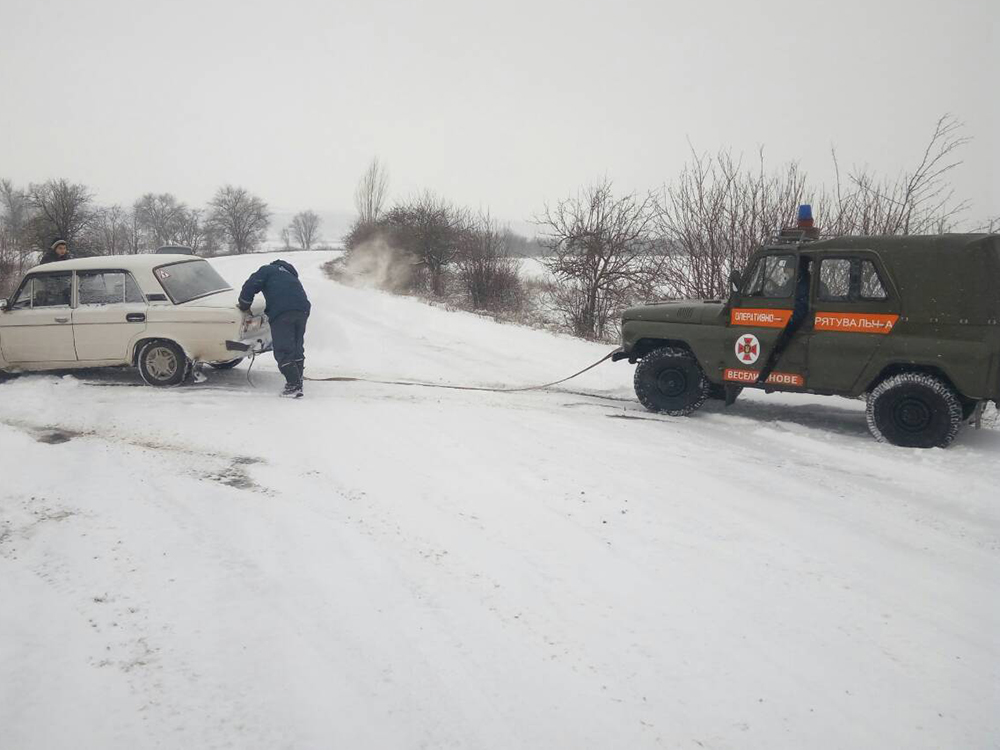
{"x": 849, "y": 280}
{"x": 835, "y": 279}
{"x": 772, "y": 276}
{"x": 871, "y": 284}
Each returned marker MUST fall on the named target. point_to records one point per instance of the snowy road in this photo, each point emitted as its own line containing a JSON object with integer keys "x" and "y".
{"x": 391, "y": 567}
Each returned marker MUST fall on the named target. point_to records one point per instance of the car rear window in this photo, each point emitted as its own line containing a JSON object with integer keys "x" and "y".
{"x": 190, "y": 280}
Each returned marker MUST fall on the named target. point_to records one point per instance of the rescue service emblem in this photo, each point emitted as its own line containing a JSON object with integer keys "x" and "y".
{"x": 747, "y": 348}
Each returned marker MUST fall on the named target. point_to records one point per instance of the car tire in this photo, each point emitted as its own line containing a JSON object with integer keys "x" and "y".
{"x": 670, "y": 380}
{"x": 914, "y": 410}
{"x": 162, "y": 363}
{"x": 225, "y": 365}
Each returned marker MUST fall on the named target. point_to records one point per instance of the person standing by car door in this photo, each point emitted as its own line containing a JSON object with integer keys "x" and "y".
{"x": 287, "y": 309}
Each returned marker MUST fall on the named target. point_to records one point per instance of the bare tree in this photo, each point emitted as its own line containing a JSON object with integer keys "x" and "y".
{"x": 371, "y": 193}
{"x": 240, "y": 217}
{"x": 163, "y": 217}
{"x": 15, "y": 237}
{"x": 603, "y": 254}
{"x": 192, "y": 231}
{"x": 918, "y": 201}
{"x": 110, "y": 230}
{"x": 991, "y": 226}
{"x": 489, "y": 274}
{"x": 62, "y": 210}
{"x": 427, "y": 229}
{"x": 716, "y": 214}
{"x": 135, "y": 236}
{"x": 305, "y": 229}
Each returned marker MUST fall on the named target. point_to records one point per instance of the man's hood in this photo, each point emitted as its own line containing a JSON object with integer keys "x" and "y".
{"x": 285, "y": 267}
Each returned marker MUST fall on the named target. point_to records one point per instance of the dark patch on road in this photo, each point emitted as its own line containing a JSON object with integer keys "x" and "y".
{"x": 235, "y": 475}
{"x": 55, "y": 437}
{"x": 45, "y": 433}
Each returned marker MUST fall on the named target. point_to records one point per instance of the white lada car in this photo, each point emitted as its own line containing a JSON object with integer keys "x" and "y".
{"x": 159, "y": 313}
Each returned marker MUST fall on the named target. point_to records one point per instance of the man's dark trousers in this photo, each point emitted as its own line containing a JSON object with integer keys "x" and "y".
{"x": 288, "y": 332}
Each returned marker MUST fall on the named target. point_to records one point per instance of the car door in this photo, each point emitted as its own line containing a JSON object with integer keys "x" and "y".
{"x": 855, "y": 308}
{"x": 758, "y": 317}
{"x": 36, "y": 327}
{"x": 110, "y": 311}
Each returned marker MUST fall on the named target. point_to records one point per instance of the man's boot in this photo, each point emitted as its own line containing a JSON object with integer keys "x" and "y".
{"x": 293, "y": 382}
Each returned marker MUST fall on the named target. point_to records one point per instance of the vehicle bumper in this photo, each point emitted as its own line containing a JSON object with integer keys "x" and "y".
{"x": 255, "y": 344}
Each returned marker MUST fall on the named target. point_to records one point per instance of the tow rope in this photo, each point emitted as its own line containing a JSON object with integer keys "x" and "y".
{"x": 446, "y": 386}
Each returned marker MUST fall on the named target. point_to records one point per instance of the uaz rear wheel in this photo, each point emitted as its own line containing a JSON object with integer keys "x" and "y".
{"x": 670, "y": 380}
{"x": 914, "y": 410}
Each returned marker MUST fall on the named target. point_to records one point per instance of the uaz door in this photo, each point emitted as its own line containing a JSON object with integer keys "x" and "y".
{"x": 854, "y": 311}
{"x": 757, "y": 319}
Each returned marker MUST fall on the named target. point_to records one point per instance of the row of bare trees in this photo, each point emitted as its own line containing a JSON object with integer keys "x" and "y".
{"x": 31, "y": 218}
{"x": 427, "y": 245}
{"x": 684, "y": 239}
{"x": 607, "y": 250}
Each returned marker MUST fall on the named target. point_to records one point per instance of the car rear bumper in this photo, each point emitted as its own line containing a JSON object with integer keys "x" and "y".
{"x": 256, "y": 344}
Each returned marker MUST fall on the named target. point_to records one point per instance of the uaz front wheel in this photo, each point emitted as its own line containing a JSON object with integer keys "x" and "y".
{"x": 671, "y": 381}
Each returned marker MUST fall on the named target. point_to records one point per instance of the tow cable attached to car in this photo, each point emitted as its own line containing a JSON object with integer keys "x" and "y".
{"x": 446, "y": 386}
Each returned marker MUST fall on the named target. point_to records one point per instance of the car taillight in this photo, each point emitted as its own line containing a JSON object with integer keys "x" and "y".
{"x": 252, "y": 324}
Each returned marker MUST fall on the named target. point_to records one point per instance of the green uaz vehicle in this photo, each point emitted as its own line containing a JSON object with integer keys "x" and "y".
{"x": 913, "y": 322}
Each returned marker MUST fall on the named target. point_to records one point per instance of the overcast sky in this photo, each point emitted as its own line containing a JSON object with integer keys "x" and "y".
{"x": 502, "y": 105}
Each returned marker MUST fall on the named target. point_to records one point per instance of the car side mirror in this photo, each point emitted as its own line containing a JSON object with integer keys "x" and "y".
{"x": 735, "y": 280}
{"x": 3, "y": 305}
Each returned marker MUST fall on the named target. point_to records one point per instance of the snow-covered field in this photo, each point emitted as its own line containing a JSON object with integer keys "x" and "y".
{"x": 397, "y": 567}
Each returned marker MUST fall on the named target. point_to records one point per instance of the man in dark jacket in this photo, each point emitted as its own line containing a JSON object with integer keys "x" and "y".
{"x": 288, "y": 311}
{"x": 58, "y": 251}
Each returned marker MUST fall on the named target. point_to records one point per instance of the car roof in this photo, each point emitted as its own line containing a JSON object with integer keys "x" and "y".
{"x": 950, "y": 277}
{"x": 126, "y": 262}
{"x": 892, "y": 244}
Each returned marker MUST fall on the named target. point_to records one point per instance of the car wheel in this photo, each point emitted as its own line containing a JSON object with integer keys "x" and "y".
{"x": 225, "y": 365}
{"x": 671, "y": 381}
{"x": 914, "y": 410}
{"x": 163, "y": 363}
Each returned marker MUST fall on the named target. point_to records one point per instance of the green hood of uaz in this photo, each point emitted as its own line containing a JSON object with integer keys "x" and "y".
{"x": 677, "y": 311}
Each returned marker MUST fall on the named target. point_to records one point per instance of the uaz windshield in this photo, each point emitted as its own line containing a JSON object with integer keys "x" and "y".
{"x": 190, "y": 280}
